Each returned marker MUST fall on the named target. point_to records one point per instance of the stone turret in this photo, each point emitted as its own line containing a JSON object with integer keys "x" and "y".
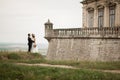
{"x": 48, "y": 30}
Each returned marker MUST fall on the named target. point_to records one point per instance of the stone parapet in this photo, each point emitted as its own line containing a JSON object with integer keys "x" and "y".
{"x": 105, "y": 32}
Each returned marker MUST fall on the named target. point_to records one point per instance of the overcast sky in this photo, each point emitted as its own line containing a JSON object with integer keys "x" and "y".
{"x": 20, "y": 17}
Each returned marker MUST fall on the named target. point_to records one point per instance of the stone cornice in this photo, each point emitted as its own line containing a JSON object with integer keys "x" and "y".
{"x": 88, "y": 1}
{"x": 106, "y": 1}
{"x": 113, "y": 2}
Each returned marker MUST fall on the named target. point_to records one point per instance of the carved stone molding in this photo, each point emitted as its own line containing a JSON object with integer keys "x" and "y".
{"x": 118, "y": 1}
{"x": 106, "y": 3}
{"x": 90, "y": 9}
{"x": 88, "y": 1}
{"x": 100, "y": 6}
{"x": 110, "y": 2}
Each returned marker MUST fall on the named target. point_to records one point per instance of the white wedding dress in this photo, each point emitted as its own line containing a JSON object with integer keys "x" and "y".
{"x": 34, "y": 48}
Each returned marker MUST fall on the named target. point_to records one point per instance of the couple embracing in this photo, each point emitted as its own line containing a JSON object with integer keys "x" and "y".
{"x": 32, "y": 46}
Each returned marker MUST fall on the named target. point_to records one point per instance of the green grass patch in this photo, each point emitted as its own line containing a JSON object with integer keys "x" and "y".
{"x": 19, "y": 56}
{"x": 10, "y": 71}
{"x": 33, "y": 58}
{"x": 13, "y": 56}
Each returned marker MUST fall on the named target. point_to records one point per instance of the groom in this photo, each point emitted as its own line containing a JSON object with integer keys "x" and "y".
{"x": 30, "y": 41}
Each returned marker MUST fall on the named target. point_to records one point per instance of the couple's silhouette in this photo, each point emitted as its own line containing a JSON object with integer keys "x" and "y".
{"x": 32, "y": 46}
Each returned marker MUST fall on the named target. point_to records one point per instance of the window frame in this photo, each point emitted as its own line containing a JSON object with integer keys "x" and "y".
{"x": 100, "y": 17}
{"x": 112, "y": 14}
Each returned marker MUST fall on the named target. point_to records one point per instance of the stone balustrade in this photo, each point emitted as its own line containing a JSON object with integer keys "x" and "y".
{"x": 106, "y": 32}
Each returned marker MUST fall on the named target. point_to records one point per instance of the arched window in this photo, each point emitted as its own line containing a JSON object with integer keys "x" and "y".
{"x": 100, "y": 17}
{"x": 112, "y": 16}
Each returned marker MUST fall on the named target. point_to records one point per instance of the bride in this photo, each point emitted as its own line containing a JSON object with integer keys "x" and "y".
{"x": 34, "y": 46}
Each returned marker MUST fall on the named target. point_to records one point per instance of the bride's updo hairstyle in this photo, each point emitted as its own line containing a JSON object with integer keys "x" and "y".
{"x": 33, "y": 35}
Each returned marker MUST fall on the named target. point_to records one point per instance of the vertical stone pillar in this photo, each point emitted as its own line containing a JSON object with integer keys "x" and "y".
{"x": 95, "y": 18}
{"x": 117, "y": 20}
{"x": 117, "y": 15}
{"x": 85, "y": 16}
{"x": 106, "y": 16}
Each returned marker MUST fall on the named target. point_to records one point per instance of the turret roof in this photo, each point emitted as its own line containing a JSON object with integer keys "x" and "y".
{"x": 48, "y": 23}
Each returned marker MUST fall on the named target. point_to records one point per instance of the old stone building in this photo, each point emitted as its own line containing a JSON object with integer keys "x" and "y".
{"x": 101, "y": 13}
{"x": 98, "y": 40}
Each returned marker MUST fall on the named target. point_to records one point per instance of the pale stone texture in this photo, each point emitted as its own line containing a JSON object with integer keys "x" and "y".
{"x": 84, "y": 49}
{"x": 104, "y": 3}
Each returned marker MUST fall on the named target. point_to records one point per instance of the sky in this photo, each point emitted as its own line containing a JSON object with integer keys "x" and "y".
{"x": 20, "y": 17}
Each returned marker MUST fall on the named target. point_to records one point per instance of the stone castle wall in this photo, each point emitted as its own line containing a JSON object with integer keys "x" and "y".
{"x": 89, "y": 43}
{"x": 83, "y": 44}
{"x": 84, "y": 49}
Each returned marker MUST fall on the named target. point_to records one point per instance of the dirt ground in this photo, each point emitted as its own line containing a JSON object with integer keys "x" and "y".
{"x": 65, "y": 66}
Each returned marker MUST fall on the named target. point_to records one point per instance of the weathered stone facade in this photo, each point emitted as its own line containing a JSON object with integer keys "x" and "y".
{"x": 95, "y": 43}
{"x": 84, "y": 49}
{"x": 95, "y": 5}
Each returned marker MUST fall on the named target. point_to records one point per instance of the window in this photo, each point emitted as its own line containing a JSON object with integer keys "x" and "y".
{"x": 90, "y": 18}
{"x": 112, "y": 16}
{"x": 101, "y": 17}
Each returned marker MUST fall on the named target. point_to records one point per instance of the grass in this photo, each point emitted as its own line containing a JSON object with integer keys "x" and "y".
{"x": 9, "y": 71}
{"x": 13, "y": 56}
{"x": 23, "y": 57}
{"x": 19, "y": 56}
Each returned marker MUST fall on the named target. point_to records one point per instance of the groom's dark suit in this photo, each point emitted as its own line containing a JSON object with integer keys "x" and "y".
{"x": 30, "y": 41}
